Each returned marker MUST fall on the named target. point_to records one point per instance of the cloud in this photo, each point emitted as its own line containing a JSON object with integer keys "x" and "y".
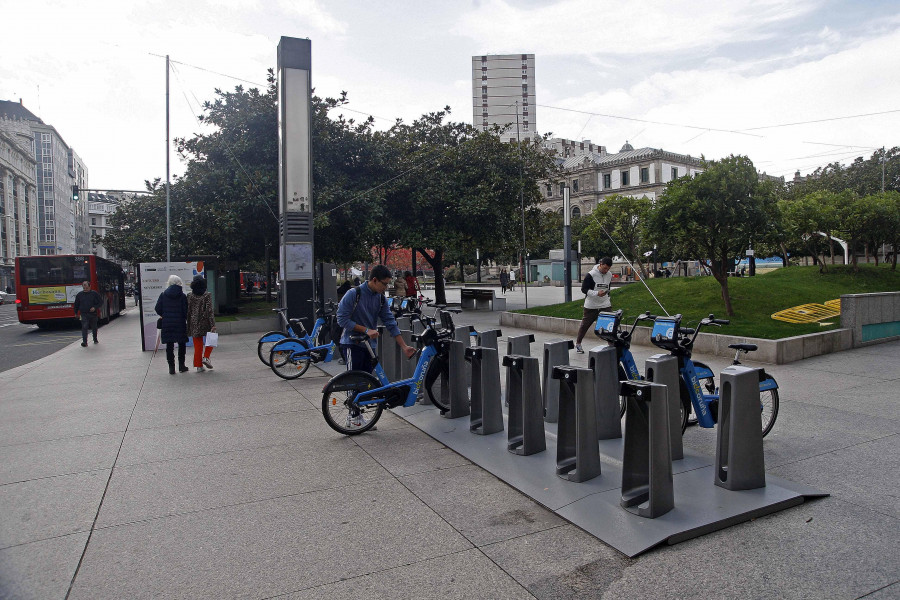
{"x": 589, "y": 27}
{"x": 313, "y": 14}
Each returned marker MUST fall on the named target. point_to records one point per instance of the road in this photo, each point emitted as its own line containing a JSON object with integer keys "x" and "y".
{"x": 21, "y": 344}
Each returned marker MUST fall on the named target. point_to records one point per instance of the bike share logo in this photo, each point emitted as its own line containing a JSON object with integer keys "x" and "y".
{"x": 699, "y": 394}
{"x": 420, "y": 379}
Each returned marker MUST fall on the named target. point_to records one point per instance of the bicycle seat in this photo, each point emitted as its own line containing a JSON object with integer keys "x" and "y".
{"x": 294, "y": 321}
{"x": 358, "y": 338}
{"x": 281, "y": 310}
{"x": 744, "y": 347}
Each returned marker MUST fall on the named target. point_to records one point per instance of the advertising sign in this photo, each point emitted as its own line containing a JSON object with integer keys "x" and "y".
{"x": 53, "y": 295}
{"x": 152, "y": 279}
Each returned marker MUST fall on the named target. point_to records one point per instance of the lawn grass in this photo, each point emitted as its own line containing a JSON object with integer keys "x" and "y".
{"x": 754, "y": 298}
{"x": 255, "y": 307}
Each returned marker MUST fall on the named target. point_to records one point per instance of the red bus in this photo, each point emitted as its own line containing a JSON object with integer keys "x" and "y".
{"x": 46, "y": 286}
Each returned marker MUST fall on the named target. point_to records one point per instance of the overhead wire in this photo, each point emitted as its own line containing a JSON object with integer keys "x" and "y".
{"x": 224, "y": 145}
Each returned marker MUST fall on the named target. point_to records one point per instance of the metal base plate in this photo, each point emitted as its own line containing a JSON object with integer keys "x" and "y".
{"x": 700, "y": 506}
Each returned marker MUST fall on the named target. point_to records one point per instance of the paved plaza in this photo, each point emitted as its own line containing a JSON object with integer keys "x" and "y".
{"x": 118, "y": 480}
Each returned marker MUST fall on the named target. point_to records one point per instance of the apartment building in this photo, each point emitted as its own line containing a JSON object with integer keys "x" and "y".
{"x": 503, "y": 91}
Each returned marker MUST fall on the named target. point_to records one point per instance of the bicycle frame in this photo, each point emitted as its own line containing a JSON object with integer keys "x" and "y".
{"x": 414, "y": 383}
{"x": 300, "y": 351}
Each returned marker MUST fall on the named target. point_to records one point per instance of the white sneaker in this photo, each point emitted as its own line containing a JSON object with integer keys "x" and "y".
{"x": 200, "y": 369}
{"x": 356, "y": 421}
{"x": 579, "y": 349}
{"x": 208, "y": 363}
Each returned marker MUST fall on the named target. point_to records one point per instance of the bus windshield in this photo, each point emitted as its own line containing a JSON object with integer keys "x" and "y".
{"x": 54, "y": 270}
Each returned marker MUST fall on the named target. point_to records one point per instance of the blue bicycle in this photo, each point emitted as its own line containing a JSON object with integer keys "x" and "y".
{"x": 668, "y": 334}
{"x": 608, "y": 329}
{"x": 290, "y": 357}
{"x": 352, "y": 402}
{"x": 320, "y": 333}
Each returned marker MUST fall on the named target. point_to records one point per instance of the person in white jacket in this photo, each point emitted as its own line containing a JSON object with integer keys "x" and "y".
{"x": 595, "y": 287}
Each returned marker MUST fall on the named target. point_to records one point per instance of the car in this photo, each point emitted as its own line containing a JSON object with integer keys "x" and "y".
{"x": 7, "y": 298}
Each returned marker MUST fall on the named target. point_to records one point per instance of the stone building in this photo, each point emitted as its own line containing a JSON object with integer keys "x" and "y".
{"x": 592, "y": 176}
{"x": 18, "y": 198}
{"x": 61, "y": 220}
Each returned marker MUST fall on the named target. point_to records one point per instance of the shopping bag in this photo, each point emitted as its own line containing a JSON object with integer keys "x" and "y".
{"x": 212, "y": 339}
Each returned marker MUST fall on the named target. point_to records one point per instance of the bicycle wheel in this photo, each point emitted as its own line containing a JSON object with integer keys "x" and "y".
{"x": 284, "y": 361}
{"x": 338, "y": 408}
{"x": 264, "y": 346}
{"x": 768, "y": 401}
{"x": 706, "y": 383}
{"x": 433, "y": 383}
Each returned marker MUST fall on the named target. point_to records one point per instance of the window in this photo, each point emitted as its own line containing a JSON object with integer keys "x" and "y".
{"x": 93, "y": 220}
{"x": 607, "y": 181}
{"x": 625, "y": 177}
{"x": 562, "y": 186}
{"x": 574, "y": 185}
{"x": 674, "y": 172}
{"x": 645, "y": 175}
{"x": 576, "y": 212}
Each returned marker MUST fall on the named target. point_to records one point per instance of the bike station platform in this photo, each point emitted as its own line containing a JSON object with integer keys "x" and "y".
{"x": 700, "y": 506}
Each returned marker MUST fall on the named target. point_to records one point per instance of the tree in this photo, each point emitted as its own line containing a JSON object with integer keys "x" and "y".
{"x": 459, "y": 189}
{"x": 714, "y": 215}
{"x": 625, "y": 219}
{"x": 806, "y": 218}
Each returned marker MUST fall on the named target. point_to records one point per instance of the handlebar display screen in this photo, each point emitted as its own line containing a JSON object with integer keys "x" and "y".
{"x": 663, "y": 330}
{"x": 404, "y": 303}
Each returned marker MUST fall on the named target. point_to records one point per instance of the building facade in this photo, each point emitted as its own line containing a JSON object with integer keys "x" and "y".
{"x": 61, "y": 220}
{"x": 18, "y": 198}
{"x": 100, "y": 208}
{"x": 592, "y": 177}
{"x": 503, "y": 90}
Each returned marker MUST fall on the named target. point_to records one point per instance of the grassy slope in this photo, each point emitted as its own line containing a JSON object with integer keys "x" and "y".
{"x": 754, "y": 298}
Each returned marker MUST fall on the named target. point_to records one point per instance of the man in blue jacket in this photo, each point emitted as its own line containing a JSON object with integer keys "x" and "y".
{"x": 359, "y": 312}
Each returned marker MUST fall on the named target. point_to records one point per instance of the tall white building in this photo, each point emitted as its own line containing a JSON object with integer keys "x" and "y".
{"x": 503, "y": 89}
{"x": 18, "y": 198}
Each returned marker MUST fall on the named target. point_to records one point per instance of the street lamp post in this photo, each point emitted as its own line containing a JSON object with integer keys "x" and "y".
{"x": 567, "y": 245}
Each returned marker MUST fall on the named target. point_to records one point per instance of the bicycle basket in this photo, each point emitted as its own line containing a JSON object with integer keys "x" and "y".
{"x": 607, "y": 326}
{"x": 665, "y": 332}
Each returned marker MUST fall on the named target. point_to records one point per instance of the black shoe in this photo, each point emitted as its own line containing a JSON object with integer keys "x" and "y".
{"x": 95, "y": 341}
{"x": 171, "y": 369}
{"x": 183, "y": 369}
{"x": 84, "y": 344}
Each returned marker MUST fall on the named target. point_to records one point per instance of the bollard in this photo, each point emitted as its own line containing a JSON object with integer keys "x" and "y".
{"x": 487, "y": 412}
{"x": 663, "y": 369}
{"x": 519, "y": 345}
{"x": 417, "y": 327}
{"x": 526, "y": 408}
{"x": 603, "y": 362}
{"x": 404, "y": 322}
{"x": 386, "y": 354}
{"x": 453, "y": 382}
{"x": 407, "y": 367}
{"x": 577, "y": 452}
{"x": 647, "y": 488}
{"x": 555, "y": 354}
{"x": 489, "y": 338}
{"x": 463, "y": 333}
{"x": 740, "y": 463}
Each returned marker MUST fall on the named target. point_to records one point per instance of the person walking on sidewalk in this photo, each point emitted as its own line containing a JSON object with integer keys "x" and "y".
{"x": 87, "y": 303}
{"x": 412, "y": 285}
{"x": 504, "y": 280}
{"x": 172, "y": 307}
{"x": 595, "y": 287}
{"x": 200, "y": 321}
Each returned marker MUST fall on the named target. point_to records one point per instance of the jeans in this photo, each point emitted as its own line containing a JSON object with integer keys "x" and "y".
{"x": 88, "y": 321}
{"x": 357, "y": 358}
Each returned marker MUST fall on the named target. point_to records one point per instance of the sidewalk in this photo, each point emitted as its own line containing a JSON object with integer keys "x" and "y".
{"x": 126, "y": 482}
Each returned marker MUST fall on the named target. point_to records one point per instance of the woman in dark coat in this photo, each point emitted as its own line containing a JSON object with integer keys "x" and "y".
{"x": 172, "y": 307}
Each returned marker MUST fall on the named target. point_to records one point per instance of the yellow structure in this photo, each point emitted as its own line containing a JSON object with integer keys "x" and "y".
{"x": 809, "y": 313}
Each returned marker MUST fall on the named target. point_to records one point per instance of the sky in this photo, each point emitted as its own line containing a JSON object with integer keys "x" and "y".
{"x": 793, "y": 84}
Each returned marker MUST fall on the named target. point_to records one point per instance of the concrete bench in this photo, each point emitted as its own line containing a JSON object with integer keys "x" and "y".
{"x": 474, "y": 298}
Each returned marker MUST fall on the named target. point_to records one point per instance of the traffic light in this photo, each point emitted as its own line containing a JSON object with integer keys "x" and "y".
{"x": 75, "y": 192}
